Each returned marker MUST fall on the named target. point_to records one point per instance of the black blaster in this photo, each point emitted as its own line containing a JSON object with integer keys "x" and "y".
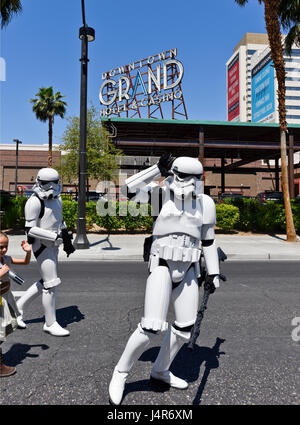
{"x": 67, "y": 237}
{"x": 208, "y": 289}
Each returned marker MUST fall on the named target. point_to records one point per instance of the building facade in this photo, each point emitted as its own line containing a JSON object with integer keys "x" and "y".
{"x": 30, "y": 159}
{"x": 238, "y": 76}
{"x": 252, "y": 83}
{"x": 264, "y": 87}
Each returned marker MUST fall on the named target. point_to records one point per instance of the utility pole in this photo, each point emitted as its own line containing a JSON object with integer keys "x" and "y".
{"x": 18, "y": 142}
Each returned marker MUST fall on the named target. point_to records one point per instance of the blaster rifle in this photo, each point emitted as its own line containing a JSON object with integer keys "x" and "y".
{"x": 207, "y": 291}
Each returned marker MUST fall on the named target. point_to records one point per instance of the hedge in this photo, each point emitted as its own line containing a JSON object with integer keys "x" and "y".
{"x": 13, "y": 211}
{"x": 227, "y": 216}
{"x": 234, "y": 214}
{"x": 257, "y": 217}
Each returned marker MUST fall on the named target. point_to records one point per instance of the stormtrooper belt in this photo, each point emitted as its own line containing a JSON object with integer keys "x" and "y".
{"x": 177, "y": 248}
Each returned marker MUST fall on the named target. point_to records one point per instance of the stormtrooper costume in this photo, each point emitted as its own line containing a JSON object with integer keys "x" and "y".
{"x": 43, "y": 224}
{"x": 183, "y": 228}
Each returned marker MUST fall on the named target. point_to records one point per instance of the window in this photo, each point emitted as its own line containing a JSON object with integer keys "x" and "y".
{"x": 293, "y": 69}
{"x": 292, "y": 60}
{"x": 293, "y": 117}
{"x": 295, "y": 52}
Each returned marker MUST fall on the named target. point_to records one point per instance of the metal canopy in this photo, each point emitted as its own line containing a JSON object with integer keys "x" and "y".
{"x": 244, "y": 141}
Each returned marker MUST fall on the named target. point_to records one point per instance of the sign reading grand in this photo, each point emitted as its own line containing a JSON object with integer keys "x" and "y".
{"x": 147, "y": 82}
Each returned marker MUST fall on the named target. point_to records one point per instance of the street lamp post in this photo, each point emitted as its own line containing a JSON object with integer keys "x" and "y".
{"x": 86, "y": 34}
{"x": 18, "y": 142}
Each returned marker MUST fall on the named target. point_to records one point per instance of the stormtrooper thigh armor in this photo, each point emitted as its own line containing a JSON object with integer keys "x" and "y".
{"x": 185, "y": 302}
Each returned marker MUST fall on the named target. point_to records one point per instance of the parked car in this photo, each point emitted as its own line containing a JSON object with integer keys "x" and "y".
{"x": 269, "y": 195}
{"x": 230, "y": 195}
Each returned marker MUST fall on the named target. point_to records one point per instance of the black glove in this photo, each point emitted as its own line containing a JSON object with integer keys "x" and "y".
{"x": 165, "y": 163}
{"x": 208, "y": 283}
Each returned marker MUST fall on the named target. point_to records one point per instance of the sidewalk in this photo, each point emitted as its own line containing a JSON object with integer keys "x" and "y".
{"x": 130, "y": 247}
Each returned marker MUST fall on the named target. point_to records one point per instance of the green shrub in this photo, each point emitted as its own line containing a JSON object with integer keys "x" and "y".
{"x": 272, "y": 217}
{"x": 249, "y": 213}
{"x": 70, "y": 214}
{"x": 296, "y": 214}
{"x": 13, "y": 212}
{"x": 238, "y": 214}
{"x": 227, "y": 216}
{"x": 269, "y": 217}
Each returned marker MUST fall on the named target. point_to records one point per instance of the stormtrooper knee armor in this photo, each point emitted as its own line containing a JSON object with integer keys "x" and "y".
{"x": 43, "y": 215}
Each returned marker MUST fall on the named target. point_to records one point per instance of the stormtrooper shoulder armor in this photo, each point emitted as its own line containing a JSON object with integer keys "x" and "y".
{"x": 209, "y": 209}
{"x": 32, "y": 210}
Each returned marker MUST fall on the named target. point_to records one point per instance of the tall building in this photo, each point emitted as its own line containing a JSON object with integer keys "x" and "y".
{"x": 264, "y": 87}
{"x": 238, "y": 73}
{"x": 252, "y": 84}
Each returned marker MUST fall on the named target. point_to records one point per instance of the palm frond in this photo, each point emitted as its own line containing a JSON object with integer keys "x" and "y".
{"x": 8, "y": 9}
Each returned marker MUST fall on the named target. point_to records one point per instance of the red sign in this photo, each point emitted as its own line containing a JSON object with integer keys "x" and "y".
{"x": 233, "y": 89}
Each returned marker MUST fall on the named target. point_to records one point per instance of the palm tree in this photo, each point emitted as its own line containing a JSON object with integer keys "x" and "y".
{"x": 272, "y": 21}
{"x": 289, "y": 15}
{"x": 46, "y": 106}
{"x": 8, "y": 7}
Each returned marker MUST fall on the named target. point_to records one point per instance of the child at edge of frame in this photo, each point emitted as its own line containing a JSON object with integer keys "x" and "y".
{"x": 8, "y": 307}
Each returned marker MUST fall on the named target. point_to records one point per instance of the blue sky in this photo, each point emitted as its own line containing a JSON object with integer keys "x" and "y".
{"x": 41, "y": 48}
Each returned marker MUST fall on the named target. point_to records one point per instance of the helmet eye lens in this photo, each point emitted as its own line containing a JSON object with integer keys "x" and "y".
{"x": 185, "y": 175}
{"x": 44, "y": 182}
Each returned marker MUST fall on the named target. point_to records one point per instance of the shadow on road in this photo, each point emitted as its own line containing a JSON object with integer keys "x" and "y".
{"x": 211, "y": 359}
{"x": 19, "y": 352}
{"x": 65, "y": 316}
{"x": 186, "y": 365}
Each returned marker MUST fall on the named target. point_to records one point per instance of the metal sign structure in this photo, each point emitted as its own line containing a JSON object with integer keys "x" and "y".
{"x": 145, "y": 88}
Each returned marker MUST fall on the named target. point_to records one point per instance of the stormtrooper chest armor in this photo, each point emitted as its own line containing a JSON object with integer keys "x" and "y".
{"x": 52, "y": 217}
{"x": 180, "y": 216}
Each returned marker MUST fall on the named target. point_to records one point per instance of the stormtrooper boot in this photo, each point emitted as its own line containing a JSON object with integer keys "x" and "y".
{"x": 51, "y": 326}
{"x": 171, "y": 344}
{"x": 32, "y": 292}
{"x": 135, "y": 346}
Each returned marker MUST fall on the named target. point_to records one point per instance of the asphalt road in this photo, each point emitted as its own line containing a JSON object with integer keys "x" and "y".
{"x": 245, "y": 355}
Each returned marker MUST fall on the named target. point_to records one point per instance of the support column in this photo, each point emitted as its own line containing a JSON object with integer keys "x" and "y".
{"x": 277, "y": 175}
{"x": 291, "y": 166}
{"x": 201, "y": 153}
{"x": 222, "y": 175}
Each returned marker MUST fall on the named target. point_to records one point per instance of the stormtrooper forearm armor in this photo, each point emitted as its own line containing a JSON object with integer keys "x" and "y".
{"x": 142, "y": 178}
{"x": 211, "y": 258}
{"x": 43, "y": 234}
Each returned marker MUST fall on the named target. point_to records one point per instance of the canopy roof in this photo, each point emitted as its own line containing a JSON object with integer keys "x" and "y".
{"x": 246, "y": 141}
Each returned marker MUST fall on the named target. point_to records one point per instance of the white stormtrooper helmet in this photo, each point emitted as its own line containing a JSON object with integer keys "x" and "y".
{"x": 47, "y": 184}
{"x": 186, "y": 181}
